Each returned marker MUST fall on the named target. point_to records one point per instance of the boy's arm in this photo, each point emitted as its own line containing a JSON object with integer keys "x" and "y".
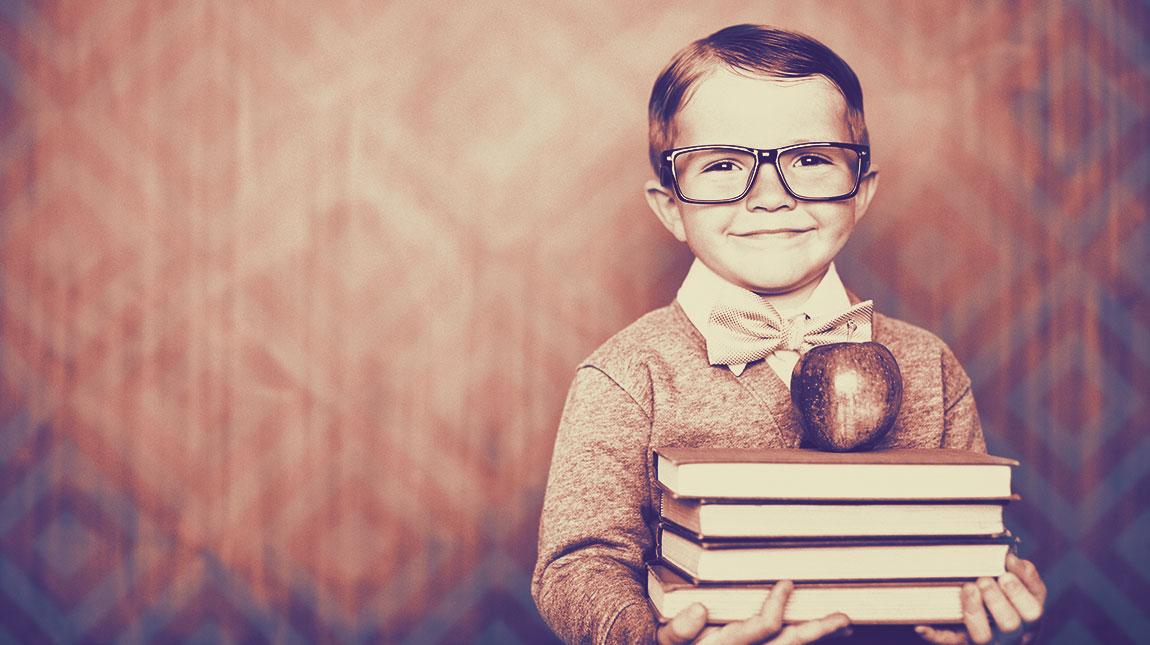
{"x": 589, "y": 582}
{"x": 961, "y": 427}
{"x": 1007, "y": 609}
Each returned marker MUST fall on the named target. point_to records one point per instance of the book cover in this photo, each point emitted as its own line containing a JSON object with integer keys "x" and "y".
{"x": 924, "y": 456}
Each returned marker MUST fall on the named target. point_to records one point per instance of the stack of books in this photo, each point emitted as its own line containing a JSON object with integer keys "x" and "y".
{"x": 884, "y": 537}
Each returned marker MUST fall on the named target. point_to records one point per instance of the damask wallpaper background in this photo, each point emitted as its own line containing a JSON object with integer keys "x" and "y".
{"x": 291, "y": 293}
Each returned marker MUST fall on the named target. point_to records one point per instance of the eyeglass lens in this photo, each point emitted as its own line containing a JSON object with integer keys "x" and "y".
{"x": 814, "y": 172}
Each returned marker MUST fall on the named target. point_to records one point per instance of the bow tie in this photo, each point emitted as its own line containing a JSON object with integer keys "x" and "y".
{"x": 751, "y": 329}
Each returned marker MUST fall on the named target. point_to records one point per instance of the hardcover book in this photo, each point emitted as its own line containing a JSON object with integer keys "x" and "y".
{"x": 752, "y": 519}
{"x": 909, "y": 603}
{"x": 797, "y": 474}
{"x": 832, "y": 559}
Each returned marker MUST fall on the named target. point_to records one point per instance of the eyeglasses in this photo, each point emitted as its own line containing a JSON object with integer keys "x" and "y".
{"x": 817, "y": 172}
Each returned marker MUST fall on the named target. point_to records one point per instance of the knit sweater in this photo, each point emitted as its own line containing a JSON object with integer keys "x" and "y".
{"x": 651, "y": 385}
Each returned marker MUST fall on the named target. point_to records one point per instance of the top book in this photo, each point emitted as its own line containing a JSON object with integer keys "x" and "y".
{"x": 798, "y": 474}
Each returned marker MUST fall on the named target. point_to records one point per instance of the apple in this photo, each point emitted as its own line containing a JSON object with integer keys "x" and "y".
{"x": 847, "y": 394}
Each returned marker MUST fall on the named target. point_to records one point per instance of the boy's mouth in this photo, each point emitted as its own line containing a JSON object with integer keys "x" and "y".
{"x": 773, "y": 233}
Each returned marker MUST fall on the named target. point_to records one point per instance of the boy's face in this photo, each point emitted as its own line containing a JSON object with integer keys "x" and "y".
{"x": 768, "y": 242}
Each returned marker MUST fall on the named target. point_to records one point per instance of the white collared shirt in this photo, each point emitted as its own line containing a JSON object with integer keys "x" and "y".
{"x": 703, "y": 288}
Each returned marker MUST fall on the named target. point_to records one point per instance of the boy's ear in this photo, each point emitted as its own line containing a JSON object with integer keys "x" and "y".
{"x": 867, "y": 187}
{"x": 663, "y": 203}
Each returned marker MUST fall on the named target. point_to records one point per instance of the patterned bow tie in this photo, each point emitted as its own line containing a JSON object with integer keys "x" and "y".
{"x": 752, "y": 329}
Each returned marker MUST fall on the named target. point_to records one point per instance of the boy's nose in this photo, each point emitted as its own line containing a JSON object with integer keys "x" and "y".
{"x": 767, "y": 191}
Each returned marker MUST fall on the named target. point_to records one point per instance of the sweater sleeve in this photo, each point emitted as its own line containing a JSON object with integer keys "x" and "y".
{"x": 589, "y": 580}
{"x": 961, "y": 426}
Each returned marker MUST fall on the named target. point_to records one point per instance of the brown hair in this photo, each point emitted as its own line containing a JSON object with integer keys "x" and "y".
{"x": 757, "y": 49}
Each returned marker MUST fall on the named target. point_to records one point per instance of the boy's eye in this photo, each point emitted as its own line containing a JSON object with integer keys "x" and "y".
{"x": 811, "y": 160}
{"x": 722, "y": 166}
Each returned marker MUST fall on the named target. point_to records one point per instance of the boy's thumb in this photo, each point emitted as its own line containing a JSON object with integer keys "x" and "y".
{"x": 684, "y": 627}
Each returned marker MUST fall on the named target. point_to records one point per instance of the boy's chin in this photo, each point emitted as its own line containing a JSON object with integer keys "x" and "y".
{"x": 774, "y": 288}
{"x": 769, "y": 281}
{"x": 782, "y": 286}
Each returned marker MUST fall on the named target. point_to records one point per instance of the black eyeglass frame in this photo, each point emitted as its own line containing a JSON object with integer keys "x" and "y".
{"x": 770, "y": 156}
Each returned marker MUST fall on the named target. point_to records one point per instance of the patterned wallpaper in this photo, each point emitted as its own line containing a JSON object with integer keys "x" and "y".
{"x": 291, "y": 293}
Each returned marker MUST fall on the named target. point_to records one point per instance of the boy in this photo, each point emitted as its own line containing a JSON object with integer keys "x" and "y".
{"x": 758, "y": 139}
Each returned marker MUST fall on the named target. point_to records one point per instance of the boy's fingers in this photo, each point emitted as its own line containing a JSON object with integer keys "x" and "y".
{"x": 1028, "y": 574}
{"x": 940, "y": 636}
{"x": 707, "y": 635}
{"x": 1003, "y": 613}
{"x": 777, "y": 600}
{"x": 812, "y": 630}
{"x": 764, "y": 624}
{"x": 684, "y": 627}
{"x": 1027, "y": 606}
{"x": 974, "y": 615}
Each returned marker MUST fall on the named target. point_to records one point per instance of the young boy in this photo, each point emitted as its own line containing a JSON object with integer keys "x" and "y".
{"x": 758, "y": 139}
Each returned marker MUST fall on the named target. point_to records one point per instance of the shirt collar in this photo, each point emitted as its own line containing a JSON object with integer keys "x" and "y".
{"x": 703, "y": 288}
{"x": 828, "y": 298}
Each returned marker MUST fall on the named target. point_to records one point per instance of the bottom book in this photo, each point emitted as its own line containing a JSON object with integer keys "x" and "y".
{"x": 910, "y": 603}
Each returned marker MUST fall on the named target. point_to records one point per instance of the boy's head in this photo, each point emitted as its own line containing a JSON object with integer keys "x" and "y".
{"x": 754, "y": 50}
{"x": 763, "y": 209}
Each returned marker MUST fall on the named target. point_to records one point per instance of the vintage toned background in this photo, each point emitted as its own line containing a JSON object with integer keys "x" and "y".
{"x": 291, "y": 292}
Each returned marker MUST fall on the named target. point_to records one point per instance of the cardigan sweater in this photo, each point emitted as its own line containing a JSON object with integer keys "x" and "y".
{"x": 651, "y": 386}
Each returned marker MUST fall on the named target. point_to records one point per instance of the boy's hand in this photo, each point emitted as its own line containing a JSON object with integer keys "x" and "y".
{"x": 690, "y": 625}
{"x": 1005, "y": 610}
